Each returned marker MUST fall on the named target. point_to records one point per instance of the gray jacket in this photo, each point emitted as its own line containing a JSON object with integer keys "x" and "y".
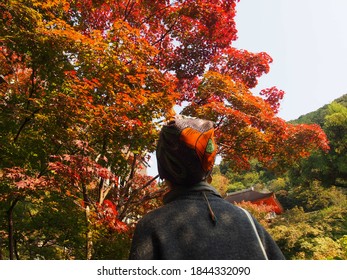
{"x": 196, "y": 223}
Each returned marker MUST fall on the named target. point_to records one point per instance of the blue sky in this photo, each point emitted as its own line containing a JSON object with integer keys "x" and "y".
{"x": 307, "y": 40}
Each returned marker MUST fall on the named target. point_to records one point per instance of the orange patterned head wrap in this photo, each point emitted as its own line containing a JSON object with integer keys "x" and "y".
{"x": 186, "y": 150}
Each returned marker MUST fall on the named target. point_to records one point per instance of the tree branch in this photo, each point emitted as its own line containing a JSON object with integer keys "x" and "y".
{"x": 167, "y": 32}
{"x": 26, "y": 120}
{"x": 135, "y": 192}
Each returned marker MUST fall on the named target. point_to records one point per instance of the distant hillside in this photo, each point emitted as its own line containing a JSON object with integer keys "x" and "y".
{"x": 319, "y": 115}
{"x": 328, "y": 168}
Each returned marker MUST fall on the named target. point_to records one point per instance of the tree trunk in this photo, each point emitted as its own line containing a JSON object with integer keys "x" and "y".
{"x": 11, "y": 229}
{"x": 89, "y": 236}
{"x": 89, "y": 233}
{"x": 1, "y": 256}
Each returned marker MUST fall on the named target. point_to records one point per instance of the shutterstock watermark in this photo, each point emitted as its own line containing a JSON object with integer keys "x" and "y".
{"x": 138, "y": 271}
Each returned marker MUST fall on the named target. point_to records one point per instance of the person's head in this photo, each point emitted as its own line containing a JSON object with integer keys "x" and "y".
{"x": 186, "y": 151}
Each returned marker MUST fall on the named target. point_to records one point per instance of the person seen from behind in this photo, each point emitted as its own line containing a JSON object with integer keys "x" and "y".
{"x": 195, "y": 222}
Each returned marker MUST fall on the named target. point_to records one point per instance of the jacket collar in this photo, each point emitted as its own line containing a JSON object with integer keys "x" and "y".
{"x": 184, "y": 190}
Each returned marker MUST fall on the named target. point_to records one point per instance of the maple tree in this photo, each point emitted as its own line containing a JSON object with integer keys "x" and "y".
{"x": 86, "y": 84}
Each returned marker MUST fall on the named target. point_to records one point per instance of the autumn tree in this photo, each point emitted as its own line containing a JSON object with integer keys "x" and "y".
{"x": 67, "y": 84}
{"x": 86, "y": 84}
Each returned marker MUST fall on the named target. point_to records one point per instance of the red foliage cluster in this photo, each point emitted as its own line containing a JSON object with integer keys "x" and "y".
{"x": 24, "y": 182}
{"x": 243, "y": 66}
{"x": 273, "y": 97}
{"x": 80, "y": 168}
{"x": 107, "y": 214}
